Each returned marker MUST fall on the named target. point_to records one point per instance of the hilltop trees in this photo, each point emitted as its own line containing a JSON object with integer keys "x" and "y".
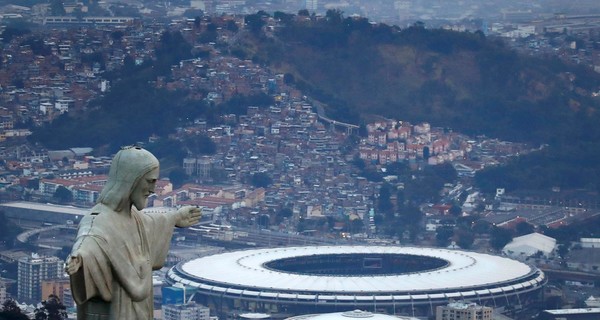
{"x": 10, "y": 311}
{"x": 132, "y": 110}
{"x": 255, "y": 22}
{"x": 51, "y": 309}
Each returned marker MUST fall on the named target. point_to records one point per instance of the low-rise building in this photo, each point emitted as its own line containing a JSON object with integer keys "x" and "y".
{"x": 529, "y": 245}
{"x": 190, "y": 311}
{"x": 463, "y": 311}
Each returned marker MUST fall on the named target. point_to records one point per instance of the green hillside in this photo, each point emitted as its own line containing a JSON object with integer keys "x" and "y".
{"x": 463, "y": 81}
{"x": 460, "y": 80}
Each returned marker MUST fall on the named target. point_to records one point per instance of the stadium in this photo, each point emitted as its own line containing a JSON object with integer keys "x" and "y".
{"x": 391, "y": 279}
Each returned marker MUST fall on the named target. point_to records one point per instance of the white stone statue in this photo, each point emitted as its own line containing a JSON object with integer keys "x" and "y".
{"x": 118, "y": 245}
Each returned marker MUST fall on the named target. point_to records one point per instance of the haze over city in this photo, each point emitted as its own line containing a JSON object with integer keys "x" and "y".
{"x": 412, "y": 158}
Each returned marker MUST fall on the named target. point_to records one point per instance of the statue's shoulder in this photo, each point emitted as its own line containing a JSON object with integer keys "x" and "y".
{"x": 98, "y": 215}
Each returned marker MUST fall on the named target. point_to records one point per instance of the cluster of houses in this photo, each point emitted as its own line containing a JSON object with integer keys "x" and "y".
{"x": 396, "y": 141}
{"x": 86, "y": 189}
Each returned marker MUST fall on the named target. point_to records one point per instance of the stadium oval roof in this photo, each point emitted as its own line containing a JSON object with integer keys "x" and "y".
{"x": 350, "y": 315}
{"x": 466, "y": 274}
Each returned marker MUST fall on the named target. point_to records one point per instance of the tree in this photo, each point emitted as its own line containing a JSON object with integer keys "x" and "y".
{"x": 442, "y": 236}
{"x": 522, "y": 228}
{"x": 284, "y": 213}
{"x": 11, "y": 311}
{"x": 383, "y": 202}
{"x": 117, "y": 35}
{"x": 562, "y": 251}
{"x": 410, "y": 215}
{"x": 283, "y": 17}
{"x": 400, "y": 169}
{"x": 8, "y": 230}
{"x": 200, "y": 144}
{"x": 481, "y": 226}
{"x": 40, "y": 314}
{"x": 232, "y": 26}
{"x": 261, "y": 180}
{"x": 334, "y": 16}
{"x": 358, "y": 162}
{"x": 177, "y": 177}
{"x": 263, "y": 220}
{"x": 254, "y": 22}
{"x": 11, "y": 32}
{"x": 400, "y": 198}
{"x": 455, "y": 210}
{"x": 426, "y": 153}
{"x": 57, "y": 8}
{"x": 288, "y": 78}
{"x": 465, "y": 238}
{"x": 52, "y": 309}
{"x": 63, "y": 195}
{"x": 356, "y": 226}
{"x": 500, "y": 237}
{"x": 218, "y": 174}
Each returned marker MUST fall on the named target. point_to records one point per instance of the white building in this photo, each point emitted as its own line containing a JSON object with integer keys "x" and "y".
{"x": 404, "y": 9}
{"x": 190, "y": 311}
{"x": 3, "y": 294}
{"x": 590, "y": 242}
{"x": 311, "y": 5}
{"x": 62, "y": 105}
{"x": 45, "y": 107}
{"x": 592, "y": 302}
{"x": 529, "y": 245}
{"x": 463, "y": 311}
{"x": 31, "y": 271}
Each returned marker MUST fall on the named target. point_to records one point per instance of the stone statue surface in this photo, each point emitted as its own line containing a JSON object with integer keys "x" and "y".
{"x": 118, "y": 245}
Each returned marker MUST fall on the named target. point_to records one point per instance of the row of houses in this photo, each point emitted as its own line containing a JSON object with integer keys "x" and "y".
{"x": 86, "y": 190}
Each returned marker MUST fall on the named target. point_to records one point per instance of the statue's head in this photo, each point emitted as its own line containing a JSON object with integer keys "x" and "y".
{"x": 131, "y": 179}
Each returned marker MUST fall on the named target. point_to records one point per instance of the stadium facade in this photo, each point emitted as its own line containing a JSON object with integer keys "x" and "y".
{"x": 391, "y": 279}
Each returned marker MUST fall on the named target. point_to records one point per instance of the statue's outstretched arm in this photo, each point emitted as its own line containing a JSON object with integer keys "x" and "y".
{"x": 188, "y": 216}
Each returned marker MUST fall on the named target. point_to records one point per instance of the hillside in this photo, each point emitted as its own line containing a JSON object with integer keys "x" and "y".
{"x": 459, "y": 80}
{"x": 463, "y": 81}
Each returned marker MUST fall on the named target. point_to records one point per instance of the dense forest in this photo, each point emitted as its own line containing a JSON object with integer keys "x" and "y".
{"x": 460, "y": 80}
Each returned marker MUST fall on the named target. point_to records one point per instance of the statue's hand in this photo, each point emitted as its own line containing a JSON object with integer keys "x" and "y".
{"x": 73, "y": 264}
{"x": 188, "y": 216}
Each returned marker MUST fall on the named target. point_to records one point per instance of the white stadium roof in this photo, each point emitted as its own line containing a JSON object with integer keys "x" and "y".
{"x": 466, "y": 275}
{"x": 246, "y": 268}
{"x": 350, "y": 315}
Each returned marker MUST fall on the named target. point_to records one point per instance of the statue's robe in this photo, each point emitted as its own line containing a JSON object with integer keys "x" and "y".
{"x": 118, "y": 253}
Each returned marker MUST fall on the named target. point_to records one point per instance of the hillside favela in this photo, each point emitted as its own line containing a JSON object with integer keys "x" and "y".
{"x": 300, "y": 159}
